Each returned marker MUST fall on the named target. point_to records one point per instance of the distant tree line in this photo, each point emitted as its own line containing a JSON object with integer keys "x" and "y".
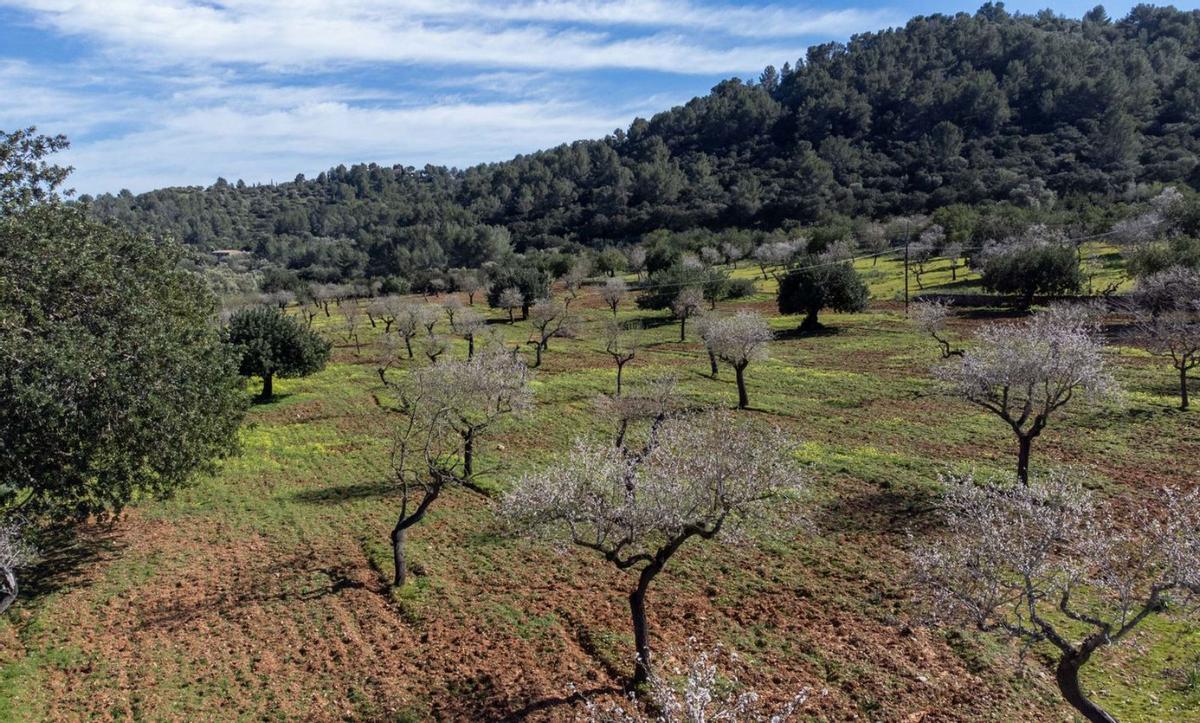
{"x": 1037, "y": 113}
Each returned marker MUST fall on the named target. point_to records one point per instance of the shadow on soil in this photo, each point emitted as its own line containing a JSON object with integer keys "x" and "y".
{"x": 64, "y": 552}
{"x": 345, "y": 493}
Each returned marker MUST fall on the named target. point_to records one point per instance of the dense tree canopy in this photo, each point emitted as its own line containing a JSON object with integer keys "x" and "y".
{"x": 270, "y": 344}
{"x": 113, "y": 379}
{"x": 963, "y": 109}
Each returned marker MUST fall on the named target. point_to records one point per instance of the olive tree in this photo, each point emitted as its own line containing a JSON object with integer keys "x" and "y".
{"x": 614, "y": 292}
{"x": 817, "y": 283}
{"x": 114, "y": 383}
{"x": 1025, "y": 371}
{"x": 1045, "y": 562}
{"x": 930, "y": 317}
{"x": 1175, "y": 334}
{"x": 270, "y": 344}
{"x": 442, "y": 411}
{"x": 689, "y": 302}
{"x": 696, "y": 477}
{"x": 622, "y": 342}
{"x": 738, "y": 340}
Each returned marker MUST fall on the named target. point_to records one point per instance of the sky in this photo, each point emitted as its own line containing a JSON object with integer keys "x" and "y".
{"x": 156, "y": 93}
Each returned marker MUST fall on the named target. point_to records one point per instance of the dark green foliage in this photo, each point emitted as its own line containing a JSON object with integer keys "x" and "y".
{"x": 271, "y": 344}
{"x": 1033, "y": 110}
{"x": 1155, "y": 257}
{"x": 113, "y": 380}
{"x": 740, "y": 288}
{"x": 816, "y": 284}
{"x": 1029, "y": 269}
{"x": 533, "y": 284}
{"x": 26, "y": 177}
{"x": 662, "y": 287}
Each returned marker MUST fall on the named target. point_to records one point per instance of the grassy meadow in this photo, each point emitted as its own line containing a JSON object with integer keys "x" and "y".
{"x": 261, "y": 592}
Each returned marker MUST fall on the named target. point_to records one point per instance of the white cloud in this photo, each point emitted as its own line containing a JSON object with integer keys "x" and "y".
{"x": 258, "y": 145}
{"x": 183, "y": 91}
{"x": 455, "y": 32}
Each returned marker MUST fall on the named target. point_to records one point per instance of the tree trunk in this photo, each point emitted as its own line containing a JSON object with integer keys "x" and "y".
{"x": 1183, "y": 390}
{"x": 537, "y": 361}
{"x": 1025, "y": 443}
{"x": 268, "y": 390}
{"x": 524, "y": 311}
{"x": 470, "y": 347}
{"x": 471, "y": 298}
{"x": 641, "y": 633}
{"x": 10, "y": 592}
{"x": 1067, "y": 677}
{"x": 712, "y": 363}
{"x": 398, "y": 561}
{"x": 810, "y": 322}
{"x": 739, "y": 370}
{"x": 620, "y": 368}
{"x": 683, "y": 328}
{"x": 468, "y": 452}
{"x": 510, "y": 315}
{"x": 408, "y": 346}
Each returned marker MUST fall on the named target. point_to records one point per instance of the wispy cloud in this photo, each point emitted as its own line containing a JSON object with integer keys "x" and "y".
{"x": 546, "y": 34}
{"x": 171, "y": 92}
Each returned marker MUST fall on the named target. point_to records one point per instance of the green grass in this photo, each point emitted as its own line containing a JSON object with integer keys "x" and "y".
{"x": 307, "y": 506}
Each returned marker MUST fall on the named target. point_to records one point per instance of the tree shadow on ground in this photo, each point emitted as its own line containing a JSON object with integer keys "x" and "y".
{"x": 346, "y": 493}
{"x": 547, "y": 704}
{"x": 897, "y": 510}
{"x": 258, "y": 401}
{"x": 798, "y": 333}
{"x": 226, "y": 602}
{"x": 64, "y": 551}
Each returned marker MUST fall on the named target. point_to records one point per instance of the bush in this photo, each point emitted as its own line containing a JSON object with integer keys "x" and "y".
{"x": 1030, "y": 269}
{"x": 817, "y": 284}
{"x": 740, "y": 288}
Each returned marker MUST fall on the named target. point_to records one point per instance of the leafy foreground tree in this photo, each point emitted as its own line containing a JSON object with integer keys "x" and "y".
{"x": 113, "y": 380}
{"x": 1024, "y": 372}
{"x": 696, "y": 476}
{"x": 443, "y": 411}
{"x": 1045, "y": 562}
{"x": 819, "y": 283}
{"x": 738, "y": 340}
{"x": 704, "y": 695}
{"x": 271, "y": 344}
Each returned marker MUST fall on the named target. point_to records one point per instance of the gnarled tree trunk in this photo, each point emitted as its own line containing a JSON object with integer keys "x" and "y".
{"x": 1067, "y": 677}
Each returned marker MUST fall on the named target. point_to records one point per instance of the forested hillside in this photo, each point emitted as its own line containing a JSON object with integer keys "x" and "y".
{"x": 991, "y": 107}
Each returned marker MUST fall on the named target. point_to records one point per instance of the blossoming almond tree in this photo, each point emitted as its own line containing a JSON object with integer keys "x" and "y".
{"x": 738, "y": 340}
{"x": 1045, "y": 562}
{"x": 443, "y": 410}
{"x": 1024, "y": 372}
{"x": 696, "y": 477}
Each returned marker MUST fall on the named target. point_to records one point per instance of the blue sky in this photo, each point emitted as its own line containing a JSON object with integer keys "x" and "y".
{"x": 178, "y": 92}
